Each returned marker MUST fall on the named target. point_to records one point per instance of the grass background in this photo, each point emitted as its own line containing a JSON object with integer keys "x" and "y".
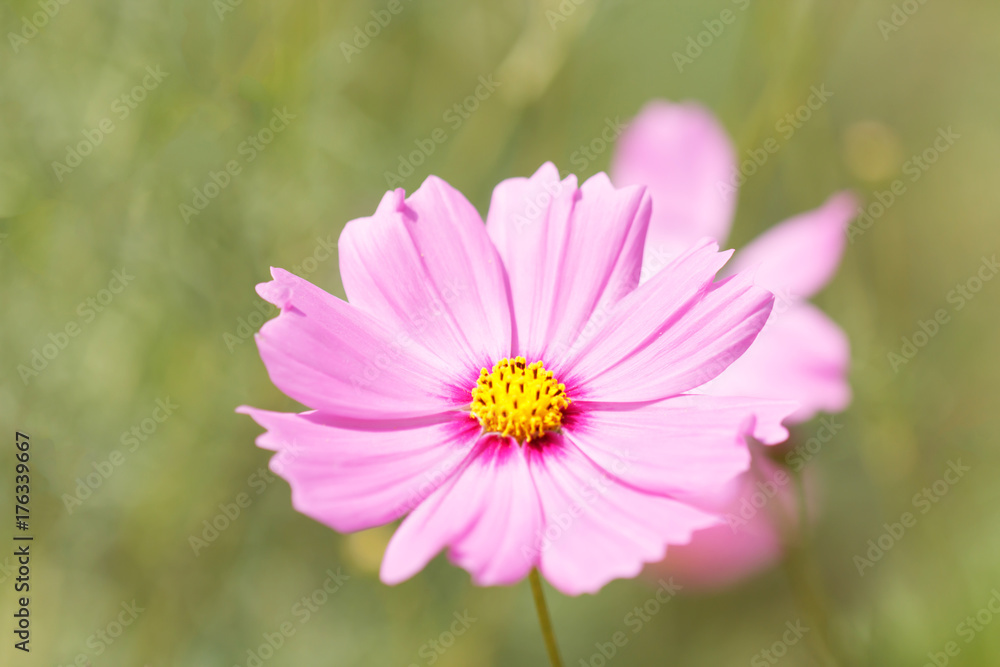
{"x": 165, "y": 334}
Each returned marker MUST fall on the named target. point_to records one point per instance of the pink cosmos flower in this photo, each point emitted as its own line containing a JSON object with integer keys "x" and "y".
{"x": 685, "y": 159}
{"x": 510, "y": 387}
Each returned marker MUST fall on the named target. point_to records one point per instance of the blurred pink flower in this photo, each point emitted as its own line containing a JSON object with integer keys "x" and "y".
{"x": 683, "y": 156}
{"x": 573, "y": 454}
{"x": 749, "y": 540}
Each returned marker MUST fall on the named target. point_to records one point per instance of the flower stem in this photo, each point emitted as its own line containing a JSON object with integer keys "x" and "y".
{"x": 543, "y": 619}
{"x": 801, "y": 568}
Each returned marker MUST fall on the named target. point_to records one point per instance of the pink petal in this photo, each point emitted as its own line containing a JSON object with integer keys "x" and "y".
{"x": 681, "y": 446}
{"x": 754, "y": 507}
{"x": 716, "y": 557}
{"x": 488, "y": 514}
{"x": 799, "y": 256}
{"x": 597, "y": 529}
{"x": 569, "y": 253}
{"x": 672, "y": 334}
{"x": 800, "y": 355}
{"x": 426, "y": 267}
{"x": 353, "y": 475}
{"x": 685, "y": 158}
{"x": 333, "y": 357}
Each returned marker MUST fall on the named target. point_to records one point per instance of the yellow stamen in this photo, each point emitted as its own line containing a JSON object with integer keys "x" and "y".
{"x": 519, "y": 399}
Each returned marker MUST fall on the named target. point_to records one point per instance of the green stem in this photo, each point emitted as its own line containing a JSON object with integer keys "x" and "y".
{"x": 544, "y": 620}
{"x": 804, "y": 578}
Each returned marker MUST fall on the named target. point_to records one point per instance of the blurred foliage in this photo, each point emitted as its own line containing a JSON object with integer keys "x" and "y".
{"x": 178, "y": 330}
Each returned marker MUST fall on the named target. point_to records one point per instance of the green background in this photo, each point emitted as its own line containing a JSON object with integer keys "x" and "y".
{"x": 165, "y": 335}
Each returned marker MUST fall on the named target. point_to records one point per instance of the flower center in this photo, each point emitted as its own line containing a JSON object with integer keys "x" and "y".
{"x": 519, "y": 399}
